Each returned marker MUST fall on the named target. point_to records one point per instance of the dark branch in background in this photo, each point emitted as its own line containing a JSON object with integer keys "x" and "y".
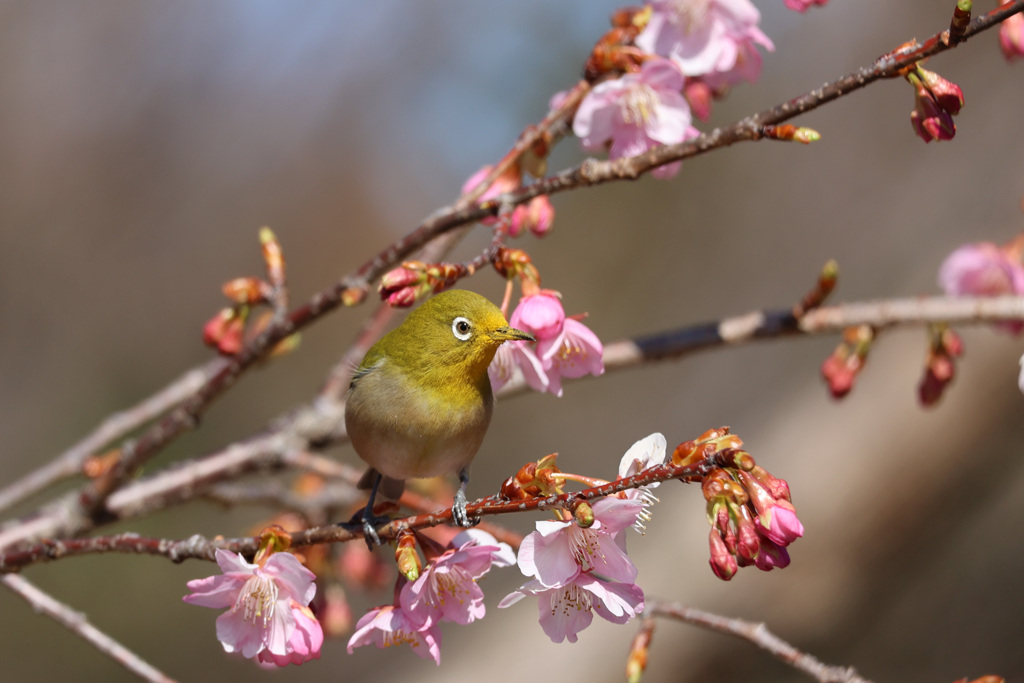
{"x": 758, "y": 634}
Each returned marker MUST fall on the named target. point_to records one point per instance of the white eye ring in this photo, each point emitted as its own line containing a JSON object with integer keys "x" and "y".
{"x": 462, "y": 328}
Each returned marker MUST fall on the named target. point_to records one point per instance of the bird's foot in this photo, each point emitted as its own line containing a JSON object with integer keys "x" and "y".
{"x": 368, "y": 525}
{"x": 459, "y": 514}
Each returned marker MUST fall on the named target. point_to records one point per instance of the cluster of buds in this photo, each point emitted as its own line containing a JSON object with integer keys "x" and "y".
{"x": 513, "y": 263}
{"x": 614, "y": 51}
{"x": 226, "y": 331}
{"x": 404, "y": 285}
{"x": 841, "y": 368}
{"x": 535, "y": 480}
{"x": 944, "y": 347}
{"x": 750, "y": 511}
{"x": 936, "y": 102}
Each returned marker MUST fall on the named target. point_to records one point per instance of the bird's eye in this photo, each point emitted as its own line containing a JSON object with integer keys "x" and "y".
{"x": 461, "y": 328}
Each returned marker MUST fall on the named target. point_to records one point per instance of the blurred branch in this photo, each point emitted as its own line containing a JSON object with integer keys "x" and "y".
{"x": 116, "y": 426}
{"x": 77, "y": 623}
{"x": 759, "y": 635}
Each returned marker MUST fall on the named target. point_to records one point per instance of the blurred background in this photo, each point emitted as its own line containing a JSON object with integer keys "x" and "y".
{"x": 142, "y": 145}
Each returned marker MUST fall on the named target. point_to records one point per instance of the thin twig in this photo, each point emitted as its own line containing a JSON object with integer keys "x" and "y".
{"x": 759, "y": 635}
{"x": 77, "y": 623}
{"x": 197, "y": 546}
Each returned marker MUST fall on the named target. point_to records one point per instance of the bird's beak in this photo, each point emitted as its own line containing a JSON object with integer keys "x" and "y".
{"x": 506, "y": 333}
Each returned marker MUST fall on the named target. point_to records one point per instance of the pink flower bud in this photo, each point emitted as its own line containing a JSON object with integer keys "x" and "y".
{"x": 699, "y": 96}
{"x": 400, "y": 277}
{"x": 803, "y": 5}
{"x": 771, "y": 556}
{"x": 723, "y": 564}
{"x": 536, "y": 216}
{"x": 224, "y": 332}
{"x": 1011, "y": 36}
{"x": 946, "y": 93}
{"x": 930, "y": 121}
{"x": 540, "y": 314}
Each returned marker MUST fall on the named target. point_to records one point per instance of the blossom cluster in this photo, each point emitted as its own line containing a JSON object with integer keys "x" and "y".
{"x": 579, "y": 569}
{"x": 268, "y": 613}
{"x": 690, "y": 51}
{"x": 565, "y": 347}
{"x": 446, "y": 591}
{"x": 576, "y": 564}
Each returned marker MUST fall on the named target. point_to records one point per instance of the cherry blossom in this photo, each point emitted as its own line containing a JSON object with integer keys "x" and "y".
{"x": 447, "y": 590}
{"x": 391, "y": 625}
{"x": 713, "y": 39}
{"x": 264, "y": 602}
{"x": 636, "y": 112}
{"x": 567, "y": 609}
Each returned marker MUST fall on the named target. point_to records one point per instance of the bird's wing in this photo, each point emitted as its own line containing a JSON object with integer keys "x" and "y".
{"x": 371, "y": 362}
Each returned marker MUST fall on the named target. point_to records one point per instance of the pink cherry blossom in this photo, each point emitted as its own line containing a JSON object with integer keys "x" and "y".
{"x": 983, "y": 269}
{"x": 559, "y": 551}
{"x": 391, "y": 625}
{"x": 513, "y": 357}
{"x": 261, "y": 598}
{"x": 714, "y": 39}
{"x": 565, "y": 347}
{"x": 803, "y": 5}
{"x": 575, "y": 352}
{"x": 637, "y": 112}
{"x": 567, "y": 609}
{"x": 305, "y": 643}
{"x": 447, "y": 590}
{"x": 1011, "y": 35}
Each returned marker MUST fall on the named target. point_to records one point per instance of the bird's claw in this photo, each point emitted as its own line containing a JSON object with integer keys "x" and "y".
{"x": 368, "y": 526}
{"x": 459, "y": 513}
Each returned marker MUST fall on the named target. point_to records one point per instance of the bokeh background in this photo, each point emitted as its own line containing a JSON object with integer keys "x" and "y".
{"x": 143, "y": 144}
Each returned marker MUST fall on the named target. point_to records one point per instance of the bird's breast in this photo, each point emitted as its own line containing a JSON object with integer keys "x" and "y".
{"x": 407, "y": 431}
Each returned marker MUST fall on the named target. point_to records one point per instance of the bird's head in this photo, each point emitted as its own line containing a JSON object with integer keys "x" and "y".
{"x": 455, "y": 332}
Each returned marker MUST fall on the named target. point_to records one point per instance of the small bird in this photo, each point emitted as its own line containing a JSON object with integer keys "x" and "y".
{"x": 420, "y": 402}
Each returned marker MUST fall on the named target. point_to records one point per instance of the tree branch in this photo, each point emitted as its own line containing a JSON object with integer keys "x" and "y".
{"x": 759, "y": 635}
{"x": 77, "y": 623}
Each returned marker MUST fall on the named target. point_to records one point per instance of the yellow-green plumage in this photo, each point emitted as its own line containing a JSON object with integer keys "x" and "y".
{"x": 420, "y": 402}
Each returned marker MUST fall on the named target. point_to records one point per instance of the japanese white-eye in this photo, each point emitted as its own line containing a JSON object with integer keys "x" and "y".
{"x": 420, "y": 402}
